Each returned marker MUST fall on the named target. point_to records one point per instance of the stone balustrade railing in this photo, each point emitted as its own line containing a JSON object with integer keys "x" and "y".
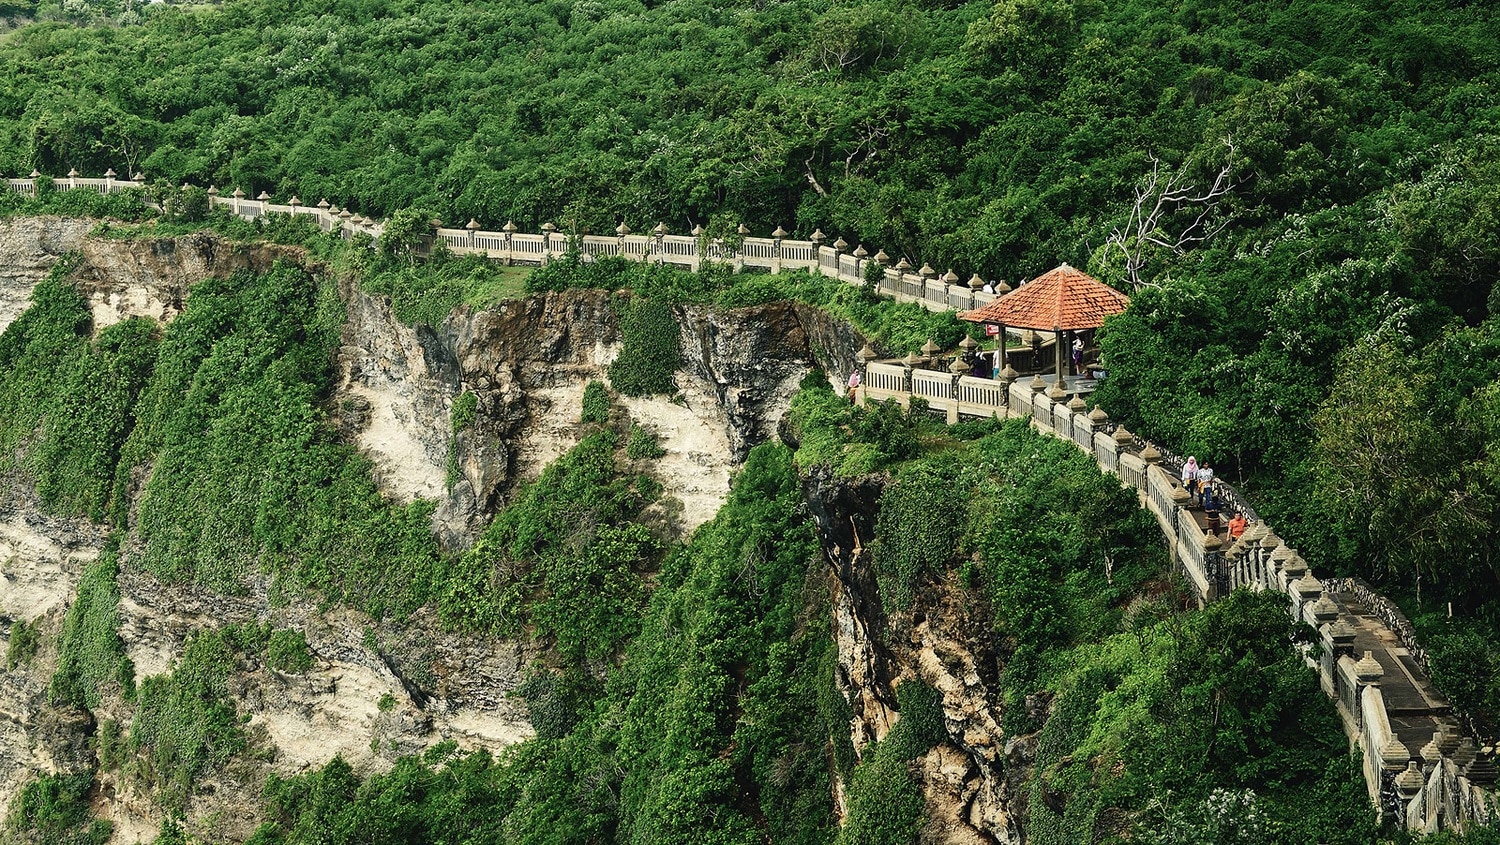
{"x": 1445, "y": 785}
{"x": 512, "y": 246}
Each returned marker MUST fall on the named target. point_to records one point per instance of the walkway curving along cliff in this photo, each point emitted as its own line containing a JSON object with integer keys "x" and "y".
{"x": 1420, "y": 767}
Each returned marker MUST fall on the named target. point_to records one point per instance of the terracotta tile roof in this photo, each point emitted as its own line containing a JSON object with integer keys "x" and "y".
{"x": 1064, "y": 298}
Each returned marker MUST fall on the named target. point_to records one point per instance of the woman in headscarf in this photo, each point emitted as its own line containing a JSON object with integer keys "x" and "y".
{"x": 1190, "y": 476}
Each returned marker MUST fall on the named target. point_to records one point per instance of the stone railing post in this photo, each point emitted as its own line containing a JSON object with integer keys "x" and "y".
{"x": 547, "y": 229}
{"x": 908, "y": 364}
{"x": 776, "y": 238}
{"x": 510, "y": 249}
{"x": 109, "y": 181}
{"x": 957, "y": 368}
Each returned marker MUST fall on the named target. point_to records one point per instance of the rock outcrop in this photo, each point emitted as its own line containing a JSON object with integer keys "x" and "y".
{"x": 969, "y": 781}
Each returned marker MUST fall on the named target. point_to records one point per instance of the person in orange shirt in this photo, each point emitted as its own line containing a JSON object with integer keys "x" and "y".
{"x": 1237, "y": 526}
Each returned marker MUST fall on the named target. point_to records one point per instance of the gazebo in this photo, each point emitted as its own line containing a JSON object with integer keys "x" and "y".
{"x": 1064, "y": 299}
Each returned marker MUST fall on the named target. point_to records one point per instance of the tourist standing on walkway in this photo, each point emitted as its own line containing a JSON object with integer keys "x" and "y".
{"x": 1237, "y": 525}
{"x": 854, "y": 381}
{"x": 1190, "y": 477}
{"x": 1206, "y": 484}
{"x": 1077, "y": 355}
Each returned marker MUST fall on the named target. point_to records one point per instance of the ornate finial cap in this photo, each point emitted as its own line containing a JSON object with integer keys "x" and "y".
{"x": 1097, "y": 416}
{"x": 238, "y": 194}
{"x": 622, "y": 230}
{"x": 1430, "y": 752}
{"x": 866, "y": 352}
{"x": 1367, "y": 669}
{"x": 1270, "y": 541}
{"x": 509, "y": 227}
{"x": 742, "y": 229}
{"x": 549, "y": 227}
{"x": 295, "y": 200}
{"x": 35, "y": 174}
{"x": 1009, "y": 373}
{"x": 1151, "y": 454}
{"x": 860, "y": 251}
{"x": 698, "y": 231}
{"x": 950, "y": 277}
{"x": 472, "y": 224}
{"x": 881, "y": 257}
{"x": 213, "y": 190}
{"x": 110, "y": 173}
{"x": 138, "y": 177}
{"x": 263, "y": 196}
{"x": 930, "y": 347}
{"x": 1393, "y": 755}
{"x": 840, "y": 244}
{"x": 661, "y": 229}
{"x": 903, "y": 265}
{"x": 1037, "y": 385}
{"x": 817, "y": 236}
{"x": 958, "y": 367}
{"x": 911, "y": 360}
{"x": 72, "y": 174}
{"x": 1324, "y": 609}
{"x": 1410, "y": 781}
{"x": 1211, "y": 541}
{"x": 1123, "y": 438}
{"x": 1341, "y": 632}
{"x": 1308, "y": 587}
{"x": 323, "y": 204}
{"x": 975, "y": 282}
{"x": 967, "y": 343}
{"x": 1002, "y": 288}
{"x": 780, "y": 233}
{"x": 1076, "y": 404}
{"x": 927, "y": 271}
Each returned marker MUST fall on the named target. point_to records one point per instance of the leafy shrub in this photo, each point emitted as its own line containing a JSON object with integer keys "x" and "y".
{"x": 91, "y": 657}
{"x": 465, "y": 411}
{"x": 246, "y": 473}
{"x": 185, "y": 725}
{"x": 287, "y": 651}
{"x": 596, "y": 403}
{"x": 650, "y": 352}
{"x": 922, "y": 517}
{"x": 22, "y": 644}
{"x": 642, "y": 444}
{"x": 55, "y": 810}
{"x": 564, "y": 556}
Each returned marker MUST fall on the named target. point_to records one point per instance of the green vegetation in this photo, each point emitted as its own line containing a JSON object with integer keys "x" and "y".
{"x": 185, "y": 725}
{"x": 885, "y": 803}
{"x": 286, "y": 651}
{"x": 225, "y": 409}
{"x": 91, "y": 657}
{"x": 710, "y": 730}
{"x": 642, "y": 444}
{"x": 565, "y": 557}
{"x": 20, "y": 645}
{"x": 596, "y": 402}
{"x": 1063, "y": 564}
{"x": 651, "y": 350}
{"x": 54, "y": 810}
{"x": 465, "y": 411}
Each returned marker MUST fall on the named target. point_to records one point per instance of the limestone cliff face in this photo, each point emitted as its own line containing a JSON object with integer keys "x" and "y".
{"x": 525, "y": 362}
{"x": 120, "y": 279}
{"x": 971, "y": 781}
